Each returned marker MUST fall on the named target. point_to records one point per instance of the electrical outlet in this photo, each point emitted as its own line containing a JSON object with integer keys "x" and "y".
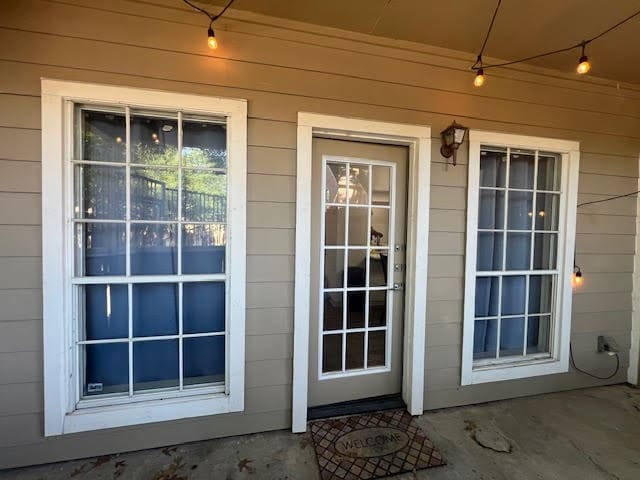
{"x": 607, "y": 345}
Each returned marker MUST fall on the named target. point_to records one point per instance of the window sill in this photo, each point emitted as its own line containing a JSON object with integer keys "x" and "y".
{"x": 138, "y": 413}
{"x": 514, "y": 370}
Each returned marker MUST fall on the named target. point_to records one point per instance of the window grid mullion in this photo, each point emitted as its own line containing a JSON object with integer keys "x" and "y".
{"x": 368, "y": 270}
{"x": 499, "y": 318}
{"x": 180, "y": 337}
{"x": 128, "y": 192}
{"x": 130, "y": 337}
{"x": 127, "y": 113}
{"x": 179, "y": 266}
{"x": 502, "y": 189}
{"x": 534, "y": 210}
{"x": 504, "y": 250}
{"x": 346, "y": 266}
{"x": 505, "y": 220}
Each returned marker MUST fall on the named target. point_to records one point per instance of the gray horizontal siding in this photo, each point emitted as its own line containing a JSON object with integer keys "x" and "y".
{"x": 282, "y": 71}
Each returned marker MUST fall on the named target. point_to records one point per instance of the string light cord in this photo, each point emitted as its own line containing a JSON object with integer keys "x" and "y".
{"x": 478, "y": 63}
{"x": 211, "y": 16}
{"x": 608, "y": 199}
{"x": 608, "y": 377}
{"x": 211, "y": 35}
{"x": 577, "y": 269}
{"x": 581, "y": 44}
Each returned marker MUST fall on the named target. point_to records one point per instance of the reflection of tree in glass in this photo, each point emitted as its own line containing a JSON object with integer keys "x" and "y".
{"x": 204, "y": 157}
{"x": 102, "y": 137}
{"x": 206, "y": 182}
{"x": 203, "y": 191}
{"x": 104, "y": 192}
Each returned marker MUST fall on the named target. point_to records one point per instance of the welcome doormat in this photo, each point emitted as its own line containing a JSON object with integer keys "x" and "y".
{"x": 373, "y": 445}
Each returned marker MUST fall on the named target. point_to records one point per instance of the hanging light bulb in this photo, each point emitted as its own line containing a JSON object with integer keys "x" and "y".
{"x": 479, "y": 80}
{"x": 583, "y": 63}
{"x": 211, "y": 39}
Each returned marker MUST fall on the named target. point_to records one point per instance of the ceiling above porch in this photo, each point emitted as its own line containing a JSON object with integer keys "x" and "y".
{"x": 522, "y": 28}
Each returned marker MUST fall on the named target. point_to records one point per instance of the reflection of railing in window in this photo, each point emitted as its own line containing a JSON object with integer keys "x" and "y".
{"x": 153, "y": 245}
{"x": 153, "y": 200}
{"x": 204, "y": 207}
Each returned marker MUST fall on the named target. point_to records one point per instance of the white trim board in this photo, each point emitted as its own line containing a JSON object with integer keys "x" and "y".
{"x": 558, "y": 360}
{"x": 61, "y": 412}
{"x": 418, "y": 139}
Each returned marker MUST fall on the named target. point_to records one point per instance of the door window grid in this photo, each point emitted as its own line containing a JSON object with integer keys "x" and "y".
{"x": 499, "y": 274}
{"x": 347, "y": 332}
{"x": 178, "y": 279}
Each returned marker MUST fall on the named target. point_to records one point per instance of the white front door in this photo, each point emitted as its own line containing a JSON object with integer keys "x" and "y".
{"x": 357, "y": 270}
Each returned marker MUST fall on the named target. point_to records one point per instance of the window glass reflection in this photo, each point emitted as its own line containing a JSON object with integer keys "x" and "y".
{"x": 332, "y": 311}
{"x": 102, "y": 136}
{"x": 333, "y": 268}
{"x": 100, "y": 192}
{"x": 204, "y": 196}
{"x": 154, "y": 249}
{"x": 100, "y": 249}
{"x": 203, "y": 248}
{"x": 331, "y": 353}
{"x": 359, "y": 184}
{"x": 522, "y": 168}
{"x": 549, "y": 171}
{"x": 334, "y": 225}
{"x": 485, "y": 337}
{"x": 376, "y": 350}
{"x": 355, "y": 351}
{"x": 154, "y": 194}
{"x": 380, "y": 185}
{"x": 204, "y": 144}
{"x": 511, "y": 337}
{"x": 493, "y": 166}
{"x": 154, "y": 140}
{"x": 491, "y": 209}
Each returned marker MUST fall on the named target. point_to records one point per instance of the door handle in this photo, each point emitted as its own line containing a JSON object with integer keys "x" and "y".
{"x": 397, "y": 287}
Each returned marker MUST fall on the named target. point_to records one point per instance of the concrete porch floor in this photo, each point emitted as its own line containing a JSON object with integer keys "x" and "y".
{"x": 582, "y": 434}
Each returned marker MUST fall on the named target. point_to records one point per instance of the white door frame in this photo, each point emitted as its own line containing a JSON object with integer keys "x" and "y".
{"x": 418, "y": 139}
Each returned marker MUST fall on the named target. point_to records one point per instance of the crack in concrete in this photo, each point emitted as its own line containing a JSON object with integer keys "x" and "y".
{"x": 593, "y": 462}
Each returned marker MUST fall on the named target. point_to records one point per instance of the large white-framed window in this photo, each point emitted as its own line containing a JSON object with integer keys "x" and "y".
{"x": 144, "y": 219}
{"x": 521, "y": 216}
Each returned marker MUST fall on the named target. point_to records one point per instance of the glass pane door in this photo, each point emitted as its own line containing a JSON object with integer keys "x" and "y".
{"x": 356, "y": 265}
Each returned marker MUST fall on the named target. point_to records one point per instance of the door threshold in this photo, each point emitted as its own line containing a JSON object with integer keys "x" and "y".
{"x": 352, "y": 407}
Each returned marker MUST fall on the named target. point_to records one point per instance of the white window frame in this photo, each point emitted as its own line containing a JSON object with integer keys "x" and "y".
{"x": 61, "y": 412}
{"x": 558, "y": 360}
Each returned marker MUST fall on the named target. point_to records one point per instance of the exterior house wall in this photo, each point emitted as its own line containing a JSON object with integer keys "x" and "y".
{"x": 283, "y": 67}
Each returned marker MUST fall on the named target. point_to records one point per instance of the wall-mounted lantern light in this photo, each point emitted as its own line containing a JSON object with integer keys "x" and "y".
{"x": 452, "y": 138}
{"x": 576, "y": 278}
